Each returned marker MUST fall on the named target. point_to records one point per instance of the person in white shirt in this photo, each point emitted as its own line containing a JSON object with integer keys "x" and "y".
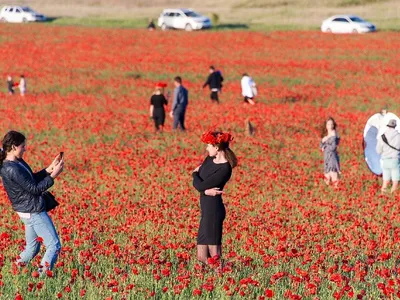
{"x": 388, "y": 147}
{"x": 249, "y": 90}
{"x": 22, "y": 85}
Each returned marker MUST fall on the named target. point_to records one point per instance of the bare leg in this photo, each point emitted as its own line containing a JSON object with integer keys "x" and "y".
{"x": 384, "y": 186}
{"x": 335, "y": 179}
{"x": 251, "y": 102}
{"x": 202, "y": 253}
{"x": 327, "y": 178}
{"x": 394, "y": 186}
{"x": 216, "y": 250}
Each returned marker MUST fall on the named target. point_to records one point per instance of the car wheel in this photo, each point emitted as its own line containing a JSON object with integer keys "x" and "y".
{"x": 329, "y": 30}
{"x": 24, "y": 20}
{"x": 354, "y": 31}
{"x": 188, "y": 27}
{"x": 3, "y": 20}
{"x": 164, "y": 27}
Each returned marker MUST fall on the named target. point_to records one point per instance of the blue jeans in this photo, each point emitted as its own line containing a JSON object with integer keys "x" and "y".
{"x": 179, "y": 118}
{"x": 40, "y": 225}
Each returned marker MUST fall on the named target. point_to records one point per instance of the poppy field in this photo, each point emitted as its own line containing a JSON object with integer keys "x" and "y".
{"x": 129, "y": 215}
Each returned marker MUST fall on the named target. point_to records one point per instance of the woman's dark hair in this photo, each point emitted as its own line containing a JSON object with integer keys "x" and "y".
{"x": 229, "y": 154}
{"x": 324, "y": 131}
{"x": 12, "y": 138}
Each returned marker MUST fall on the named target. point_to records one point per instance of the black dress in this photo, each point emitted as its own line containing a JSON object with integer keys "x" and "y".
{"x": 158, "y": 102}
{"x": 211, "y": 175}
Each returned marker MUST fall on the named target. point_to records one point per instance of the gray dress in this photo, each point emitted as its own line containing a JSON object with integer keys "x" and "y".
{"x": 331, "y": 157}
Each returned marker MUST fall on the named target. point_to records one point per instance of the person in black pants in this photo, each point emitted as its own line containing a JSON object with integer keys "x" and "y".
{"x": 10, "y": 85}
{"x": 157, "y": 110}
{"x": 214, "y": 81}
{"x": 209, "y": 179}
{"x": 180, "y": 103}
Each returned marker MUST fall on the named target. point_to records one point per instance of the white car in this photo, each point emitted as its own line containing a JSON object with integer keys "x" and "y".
{"x": 347, "y": 24}
{"x": 20, "y": 14}
{"x": 183, "y": 19}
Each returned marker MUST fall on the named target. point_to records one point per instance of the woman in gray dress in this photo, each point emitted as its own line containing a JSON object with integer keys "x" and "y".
{"x": 330, "y": 141}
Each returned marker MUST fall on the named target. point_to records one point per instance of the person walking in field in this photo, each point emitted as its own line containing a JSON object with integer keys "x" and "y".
{"x": 25, "y": 190}
{"x": 10, "y": 85}
{"x": 157, "y": 106}
{"x": 249, "y": 89}
{"x": 179, "y": 105}
{"x": 22, "y": 85}
{"x": 209, "y": 180}
{"x": 329, "y": 143}
{"x": 214, "y": 81}
{"x": 388, "y": 147}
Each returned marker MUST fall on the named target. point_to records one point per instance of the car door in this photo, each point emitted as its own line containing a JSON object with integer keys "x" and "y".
{"x": 179, "y": 20}
{"x": 10, "y": 16}
{"x": 18, "y": 15}
{"x": 342, "y": 25}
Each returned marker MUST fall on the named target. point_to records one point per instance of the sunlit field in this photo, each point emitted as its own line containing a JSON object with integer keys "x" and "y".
{"x": 129, "y": 215}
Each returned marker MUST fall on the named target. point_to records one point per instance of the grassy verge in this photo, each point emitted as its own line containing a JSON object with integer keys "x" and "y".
{"x": 382, "y": 24}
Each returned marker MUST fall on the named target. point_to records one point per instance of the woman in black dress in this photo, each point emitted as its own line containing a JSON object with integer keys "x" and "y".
{"x": 157, "y": 110}
{"x": 209, "y": 179}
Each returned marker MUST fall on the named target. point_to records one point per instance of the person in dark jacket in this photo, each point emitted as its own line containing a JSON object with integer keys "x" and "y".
{"x": 10, "y": 85}
{"x": 24, "y": 189}
{"x": 214, "y": 81}
{"x": 179, "y": 104}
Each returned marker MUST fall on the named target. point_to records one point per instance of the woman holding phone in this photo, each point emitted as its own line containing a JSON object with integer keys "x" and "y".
{"x": 24, "y": 189}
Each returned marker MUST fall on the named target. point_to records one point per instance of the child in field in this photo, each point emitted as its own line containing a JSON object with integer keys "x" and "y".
{"x": 249, "y": 90}
{"x": 22, "y": 85}
{"x": 10, "y": 85}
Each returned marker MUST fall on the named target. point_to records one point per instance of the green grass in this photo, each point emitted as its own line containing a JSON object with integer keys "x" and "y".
{"x": 101, "y": 22}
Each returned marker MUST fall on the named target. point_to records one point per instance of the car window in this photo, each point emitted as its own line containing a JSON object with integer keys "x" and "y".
{"x": 357, "y": 19}
{"x": 192, "y": 14}
{"x": 27, "y": 9}
{"x": 171, "y": 14}
{"x": 340, "y": 20}
{"x": 178, "y": 15}
{"x": 11, "y": 9}
{"x": 17, "y": 10}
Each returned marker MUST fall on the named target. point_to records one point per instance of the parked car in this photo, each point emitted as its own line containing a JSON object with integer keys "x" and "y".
{"x": 347, "y": 24}
{"x": 20, "y": 14}
{"x": 183, "y": 19}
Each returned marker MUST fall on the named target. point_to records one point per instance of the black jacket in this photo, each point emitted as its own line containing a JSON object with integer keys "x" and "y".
{"x": 214, "y": 80}
{"x": 23, "y": 189}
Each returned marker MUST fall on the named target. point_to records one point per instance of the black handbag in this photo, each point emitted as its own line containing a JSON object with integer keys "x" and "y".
{"x": 49, "y": 201}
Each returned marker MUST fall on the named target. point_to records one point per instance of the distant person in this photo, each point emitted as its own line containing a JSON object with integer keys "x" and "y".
{"x": 151, "y": 25}
{"x": 179, "y": 105}
{"x": 214, "y": 81}
{"x": 25, "y": 191}
{"x": 329, "y": 143}
{"x": 388, "y": 147}
{"x": 10, "y": 85}
{"x": 22, "y": 85}
{"x": 249, "y": 90}
{"x": 157, "y": 106}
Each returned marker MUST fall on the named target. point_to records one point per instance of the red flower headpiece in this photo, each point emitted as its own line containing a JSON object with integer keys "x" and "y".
{"x": 215, "y": 138}
{"x": 161, "y": 85}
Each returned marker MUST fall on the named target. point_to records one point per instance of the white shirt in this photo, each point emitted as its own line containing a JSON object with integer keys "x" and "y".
{"x": 247, "y": 86}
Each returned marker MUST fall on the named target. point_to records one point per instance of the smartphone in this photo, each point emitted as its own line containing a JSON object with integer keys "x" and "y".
{"x": 61, "y": 155}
